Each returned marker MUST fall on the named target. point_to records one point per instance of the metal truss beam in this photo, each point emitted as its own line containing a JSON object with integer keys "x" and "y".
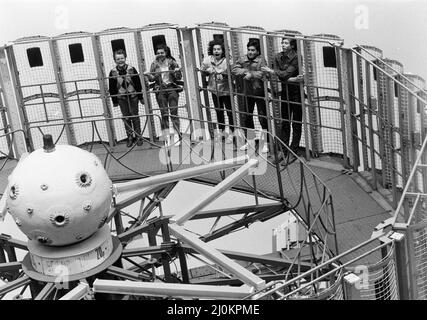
{"x": 10, "y": 266}
{"x": 208, "y": 182}
{"x": 45, "y": 292}
{"x": 146, "y": 227}
{"x": 170, "y": 289}
{"x": 77, "y": 293}
{"x": 181, "y": 174}
{"x": 235, "y": 281}
{"x": 154, "y": 204}
{"x": 167, "y": 247}
{"x": 266, "y": 260}
{"x": 12, "y": 285}
{"x": 215, "y": 192}
{"x": 261, "y": 216}
{"x": 213, "y": 254}
{"x": 15, "y": 243}
{"x": 235, "y": 211}
{"x": 126, "y": 274}
{"x": 140, "y": 195}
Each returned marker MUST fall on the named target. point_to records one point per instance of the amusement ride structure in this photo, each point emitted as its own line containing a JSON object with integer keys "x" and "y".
{"x": 348, "y": 207}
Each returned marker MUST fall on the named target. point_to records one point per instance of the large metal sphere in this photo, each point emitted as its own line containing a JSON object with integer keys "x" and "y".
{"x": 59, "y": 196}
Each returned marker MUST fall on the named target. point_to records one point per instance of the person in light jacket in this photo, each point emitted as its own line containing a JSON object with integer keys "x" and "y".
{"x": 215, "y": 66}
{"x": 165, "y": 72}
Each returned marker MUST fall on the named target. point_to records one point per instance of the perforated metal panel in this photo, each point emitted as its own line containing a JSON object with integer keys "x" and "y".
{"x": 327, "y": 98}
{"x": 40, "y": 95}
{"x": 4, "y": 142}
{"x": 82, "y": 89}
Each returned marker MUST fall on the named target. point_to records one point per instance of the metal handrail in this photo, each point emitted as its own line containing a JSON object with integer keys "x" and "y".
{"x": 390, "y": 76}
{"x": 399, "y": 73}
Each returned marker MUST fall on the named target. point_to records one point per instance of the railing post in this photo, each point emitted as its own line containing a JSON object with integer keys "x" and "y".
{"x": 392, "y": 144}
{"x": 382, "y": 123}
{"x": 352, "y": 110}
{"x": 205, "y": 91}
{"x": 304, "y": 111}
{"x": 71, "y": 139}
{"x": 102, "y": 87}
{"x": 6, "y": 126}
{"x": 270, "y": 127}
{"x": 351, "y": 290}
{"x": 190, "y": 78}
{"x": 359, "y": 72}
{"x": 147, "y": 99}
{"x": 370, "y": 125}
{"x": 342, "y": 109}
{"x": 402, "y": 265}
{"x": 230, "y": 80}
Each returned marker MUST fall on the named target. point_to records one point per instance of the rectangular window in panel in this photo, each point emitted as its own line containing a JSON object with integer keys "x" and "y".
{"x": 34, "y": 57}
{"x": 118, "y": 44}
{"x": 76, "y": 52}
{"x": 158, "y": 40}
{"x": 329, "y": 57}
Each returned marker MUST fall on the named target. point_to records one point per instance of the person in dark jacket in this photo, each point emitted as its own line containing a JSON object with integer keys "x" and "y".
{"x": 165, "y": 72}
{"x": 249, "y": 67}
{"x": 126, "y": 90}
{"x": 286, "y": 69}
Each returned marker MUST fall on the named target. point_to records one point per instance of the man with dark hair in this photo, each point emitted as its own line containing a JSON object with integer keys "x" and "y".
{"x": 286, "y": 69}
{"x": 125, "y": 90}
{"x": 249, "y": 67}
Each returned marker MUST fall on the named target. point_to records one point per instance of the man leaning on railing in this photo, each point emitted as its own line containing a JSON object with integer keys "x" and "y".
{"x": 286, "y": 69}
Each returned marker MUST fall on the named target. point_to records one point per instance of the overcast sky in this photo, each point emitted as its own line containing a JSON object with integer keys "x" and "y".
{"x": 398, "y": 27}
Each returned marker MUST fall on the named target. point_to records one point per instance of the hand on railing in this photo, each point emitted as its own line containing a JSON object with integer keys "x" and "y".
{"x": 298, "y": 78}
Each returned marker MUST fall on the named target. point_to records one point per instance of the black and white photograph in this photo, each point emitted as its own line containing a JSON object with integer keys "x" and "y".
{"x": 211, "y": 155}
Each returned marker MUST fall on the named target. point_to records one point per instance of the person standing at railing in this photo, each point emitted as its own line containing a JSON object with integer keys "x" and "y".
{"x": 286, "y": 69}
{"x": 249, "y": 67}
{"x": 165, "y": 72}
{"x": 125, "y": 89}
{"x": 215, "y": 66}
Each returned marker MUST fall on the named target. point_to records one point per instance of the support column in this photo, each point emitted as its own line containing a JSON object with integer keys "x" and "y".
{"x": 97, "y": 52}
{"x": 352, "y": 109}
{"x": 370, "y": 125}
{"x": 190, "y": 79}
{"x": 71, "y": 139}
{"x": 402, "y": 267}
{"x": 342, "y": 109}
{"x": 147, "y": 98}
{"x": 304, "y": 111}
{"x": 12, "y": 106}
